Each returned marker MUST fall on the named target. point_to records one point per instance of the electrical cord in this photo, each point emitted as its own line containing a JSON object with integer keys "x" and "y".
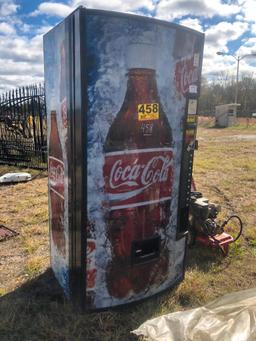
{"x": 240, "y": 225}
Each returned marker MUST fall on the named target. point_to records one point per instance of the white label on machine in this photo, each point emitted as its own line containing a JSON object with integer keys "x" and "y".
{"x": 193, "y": 89}
{"x": 192, "y": 105}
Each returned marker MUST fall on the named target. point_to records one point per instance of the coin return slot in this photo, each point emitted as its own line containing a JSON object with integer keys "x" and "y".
{"x": 145, "y": 250}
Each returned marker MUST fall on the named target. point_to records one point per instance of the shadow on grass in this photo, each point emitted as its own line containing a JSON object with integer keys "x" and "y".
{"x": 38, "y": 311}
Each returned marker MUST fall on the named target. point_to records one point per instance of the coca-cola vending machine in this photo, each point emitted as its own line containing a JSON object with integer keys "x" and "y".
{"x": 121, "y": 94}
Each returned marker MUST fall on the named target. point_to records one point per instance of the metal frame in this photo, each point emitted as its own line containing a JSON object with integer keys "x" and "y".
{"x": 77, "y": 153}
{"x": 186, "y": 169}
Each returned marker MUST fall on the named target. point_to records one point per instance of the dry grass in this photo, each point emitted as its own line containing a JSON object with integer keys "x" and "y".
{"x": 32, "y": 306}
{"x": 24, "y": 208}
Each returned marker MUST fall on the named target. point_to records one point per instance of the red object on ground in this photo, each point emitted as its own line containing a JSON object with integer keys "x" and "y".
{"x": 221, "y": 241}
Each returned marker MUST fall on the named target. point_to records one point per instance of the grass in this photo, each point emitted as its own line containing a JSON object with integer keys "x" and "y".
{"x": 32, "y": 306}
{"x": 34, "y": 265}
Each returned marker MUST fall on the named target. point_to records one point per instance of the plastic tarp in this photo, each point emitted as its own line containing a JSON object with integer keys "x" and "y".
{"x": 231, "y": 317}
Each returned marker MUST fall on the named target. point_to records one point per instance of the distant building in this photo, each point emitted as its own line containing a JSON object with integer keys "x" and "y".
{"x": 225, "y": 115}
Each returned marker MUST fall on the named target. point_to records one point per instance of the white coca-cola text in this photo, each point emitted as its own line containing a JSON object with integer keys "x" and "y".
{"x": 154, "y": 171}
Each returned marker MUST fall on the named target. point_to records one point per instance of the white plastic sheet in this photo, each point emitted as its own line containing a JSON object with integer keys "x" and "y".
{"x": 229, "y": 318}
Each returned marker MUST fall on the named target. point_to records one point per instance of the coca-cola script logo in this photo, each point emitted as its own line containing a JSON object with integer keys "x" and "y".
{"x": 56, "y": 176}
{"x": 186, "y": 74}
{"x": 138, "y": 176}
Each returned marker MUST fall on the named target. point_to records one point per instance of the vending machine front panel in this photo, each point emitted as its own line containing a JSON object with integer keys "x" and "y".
{"x": 138, "y": 76}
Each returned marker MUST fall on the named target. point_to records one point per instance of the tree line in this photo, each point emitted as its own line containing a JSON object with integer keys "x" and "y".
{"x": 222, "y": 91}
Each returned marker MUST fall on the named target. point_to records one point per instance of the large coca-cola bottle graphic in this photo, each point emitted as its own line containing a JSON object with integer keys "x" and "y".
{"x": 138, "y": 180}
{"x": 56, "y": 186}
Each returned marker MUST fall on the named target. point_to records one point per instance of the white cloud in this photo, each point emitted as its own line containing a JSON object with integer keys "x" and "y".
{"x": 248, "y": 9}
{"x": 239, "y": 17}
{"x": 21, "y": 61}
{"x": 117, "y": 5}
{"x": 21, "y": 49}
{"x": 62, "y": 10}
{"x": 248, "y": 48}
{"x": 52, "y": 9}
{"x": 7, "y": 8}
{"x": 6, "y": 28}
{"x": 11, "y": 68}
{"x": 23, "y": 27}
{"x": 253, "y": 29}
{"x": 195, "y": 24}
{"x": 171, "y": 9}
{"x": 219, "y": 35}
{"x": 44, "y": 29}
{"x": 13, "y": 81}
{"x": 216, "y": 39}
{"x": 213, "y": 64}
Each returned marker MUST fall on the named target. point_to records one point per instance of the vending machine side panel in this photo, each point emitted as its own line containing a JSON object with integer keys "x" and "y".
{"x": 56, "y": 66}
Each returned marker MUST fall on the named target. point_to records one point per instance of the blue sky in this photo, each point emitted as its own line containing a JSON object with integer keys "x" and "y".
{"x": 229, "y": 26}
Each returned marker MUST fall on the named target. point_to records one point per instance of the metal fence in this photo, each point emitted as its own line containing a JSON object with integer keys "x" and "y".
{"x": 23, "y": 134}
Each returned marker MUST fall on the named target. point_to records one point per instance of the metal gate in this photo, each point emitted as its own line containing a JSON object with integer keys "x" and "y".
{"x": 23, "y": 135}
